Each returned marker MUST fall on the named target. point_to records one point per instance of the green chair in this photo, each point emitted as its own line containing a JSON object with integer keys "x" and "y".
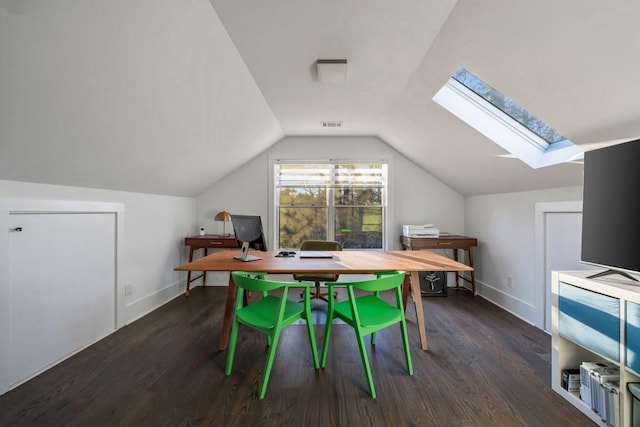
{"x": 268, "y": 315}
{"x": 319, "y": 245}
{"x": 367, "y": 314}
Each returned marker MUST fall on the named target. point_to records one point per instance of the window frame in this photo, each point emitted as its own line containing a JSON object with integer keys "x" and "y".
{"x": 501, "y": 128}
{"x": 330, "y": 200}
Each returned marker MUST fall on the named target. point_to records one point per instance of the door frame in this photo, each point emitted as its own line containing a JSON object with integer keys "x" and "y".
{"x": 542, "y": 209}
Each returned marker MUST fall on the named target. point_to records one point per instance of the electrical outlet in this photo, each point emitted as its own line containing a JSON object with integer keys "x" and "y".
{"x": 509, "y": 281}
{"x": 128, "y": 289}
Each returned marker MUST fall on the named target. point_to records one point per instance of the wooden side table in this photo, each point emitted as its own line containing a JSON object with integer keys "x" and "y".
{"x": 206, "y": 242}
{"x": 454, "y": 242}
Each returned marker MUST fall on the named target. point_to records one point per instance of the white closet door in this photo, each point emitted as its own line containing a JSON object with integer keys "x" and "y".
{"x": 62, "y": 283}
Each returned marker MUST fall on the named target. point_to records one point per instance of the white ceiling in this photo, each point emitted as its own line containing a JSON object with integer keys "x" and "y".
{"x": 165, "y": 96}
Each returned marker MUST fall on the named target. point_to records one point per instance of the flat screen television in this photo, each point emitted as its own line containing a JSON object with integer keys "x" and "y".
{"x": 249, "y": 234}
{"x": 611, "y": 209}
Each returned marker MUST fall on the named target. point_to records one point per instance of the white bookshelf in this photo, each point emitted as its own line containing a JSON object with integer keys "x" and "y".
{"x": 589, "y": 344}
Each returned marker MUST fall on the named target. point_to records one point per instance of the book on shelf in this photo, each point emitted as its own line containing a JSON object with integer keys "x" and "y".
{"x": 600, "y": 389}
{"x": 586, "y": 392}
{"x": 610, "y": 410}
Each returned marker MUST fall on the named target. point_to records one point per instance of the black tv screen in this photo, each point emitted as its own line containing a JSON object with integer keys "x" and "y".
{"x": 611, "y": 207}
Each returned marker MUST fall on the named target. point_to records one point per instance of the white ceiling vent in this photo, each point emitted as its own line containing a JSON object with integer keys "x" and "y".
{"x": 332, "y": 124}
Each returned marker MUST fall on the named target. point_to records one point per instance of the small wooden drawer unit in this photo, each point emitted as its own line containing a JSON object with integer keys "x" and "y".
{"x": 210, "y": 242}
{"x": 206, "y": 242}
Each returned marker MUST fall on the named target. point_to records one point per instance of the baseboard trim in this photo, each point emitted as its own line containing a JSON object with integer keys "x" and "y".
{"x": 508, "y": 303}
{"x": 145, "y": 305}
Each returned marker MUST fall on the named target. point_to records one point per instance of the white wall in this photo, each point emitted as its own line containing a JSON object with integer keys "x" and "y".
{"x": 505, "y": 227}
{"x": 415, "y": 196}
{"x": 154, "y": 230}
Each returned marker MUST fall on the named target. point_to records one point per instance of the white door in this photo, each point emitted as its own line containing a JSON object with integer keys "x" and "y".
{"x": 62, "y": 287}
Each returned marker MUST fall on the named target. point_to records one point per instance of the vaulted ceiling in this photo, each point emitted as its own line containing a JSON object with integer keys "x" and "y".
{"x": 167, "y": 97}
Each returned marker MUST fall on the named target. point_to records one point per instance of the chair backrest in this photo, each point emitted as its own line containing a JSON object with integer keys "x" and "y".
{"x": 253, "y": 282}
{"x": 383, "y": 281}
{"x": 320, "y": 245}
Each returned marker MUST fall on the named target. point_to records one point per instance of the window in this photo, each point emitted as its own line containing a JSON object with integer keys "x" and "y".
{"x": 503, "y": 121}
{"x": 345, "y": 202}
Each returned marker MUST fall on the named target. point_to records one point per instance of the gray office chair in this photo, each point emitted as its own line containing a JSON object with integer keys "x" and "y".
{"x": 317, "y": 278}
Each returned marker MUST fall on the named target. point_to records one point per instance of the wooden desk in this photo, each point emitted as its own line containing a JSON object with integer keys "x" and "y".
{"x": 206, "y": 242}
{"x": 454, "y": 242}
{"x": 344, "y": 262}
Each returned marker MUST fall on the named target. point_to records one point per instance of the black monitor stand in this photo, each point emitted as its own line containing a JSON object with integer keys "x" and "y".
{"x": 244, "y": 254}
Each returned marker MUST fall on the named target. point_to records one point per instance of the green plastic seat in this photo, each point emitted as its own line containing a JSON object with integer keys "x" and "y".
{"x": 367, "y": 314}
{"x": 269, "y": 315}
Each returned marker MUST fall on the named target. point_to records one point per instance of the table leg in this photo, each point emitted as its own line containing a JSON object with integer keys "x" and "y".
{"x": 228, "y": 314}
{"x": 406, "y": 288}
{"x": 189, "y": 272}
{"x": 455, "y": 258}
{"x": 473, "y": 272}
{"x": 204, "y": 273}
{"x": 417, "y": 300}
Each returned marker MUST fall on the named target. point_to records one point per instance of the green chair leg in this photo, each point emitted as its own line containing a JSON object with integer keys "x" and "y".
{"x": 327, "y": 332}
{"x": 325, "y": 344}
{"x": 312, "y": 334}
{"x": 232, "y": 347}
{"x": 268, "y": 365}
{"x": 365, "y": 364}
{"x": 405, "y": 342}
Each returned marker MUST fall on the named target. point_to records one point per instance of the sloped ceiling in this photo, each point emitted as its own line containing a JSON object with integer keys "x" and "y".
{"x": 168, "y": 97}
{"x": 136, "y": 95}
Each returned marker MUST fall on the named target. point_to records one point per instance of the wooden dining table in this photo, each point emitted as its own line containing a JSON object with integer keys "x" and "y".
{"x": 342, "y": 262}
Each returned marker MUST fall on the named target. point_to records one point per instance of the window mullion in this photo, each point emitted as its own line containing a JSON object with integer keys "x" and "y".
{"x": 331, "y": 210}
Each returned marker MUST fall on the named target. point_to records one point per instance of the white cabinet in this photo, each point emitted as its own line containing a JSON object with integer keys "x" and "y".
{"x": 596, "y": 321}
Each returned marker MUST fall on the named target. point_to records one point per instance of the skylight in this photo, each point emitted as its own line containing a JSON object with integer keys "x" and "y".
{"x": 500, "y": 119}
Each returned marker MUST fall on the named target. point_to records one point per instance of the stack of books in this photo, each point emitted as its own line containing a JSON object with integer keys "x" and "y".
{"x": 427, "y": 230}
{"x": 600, "y": 389}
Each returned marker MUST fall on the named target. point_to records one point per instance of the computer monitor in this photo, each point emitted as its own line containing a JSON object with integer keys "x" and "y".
{"x": 249, "y": 234}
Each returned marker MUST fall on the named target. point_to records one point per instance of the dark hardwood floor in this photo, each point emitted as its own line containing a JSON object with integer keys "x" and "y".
{"x": 484, "y": 368}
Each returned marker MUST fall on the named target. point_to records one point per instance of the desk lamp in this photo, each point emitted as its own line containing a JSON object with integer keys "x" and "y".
{"x": 223, "y": 216}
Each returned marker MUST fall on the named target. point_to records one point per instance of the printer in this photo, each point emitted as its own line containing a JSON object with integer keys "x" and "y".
{"x": 427, "y": 230}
